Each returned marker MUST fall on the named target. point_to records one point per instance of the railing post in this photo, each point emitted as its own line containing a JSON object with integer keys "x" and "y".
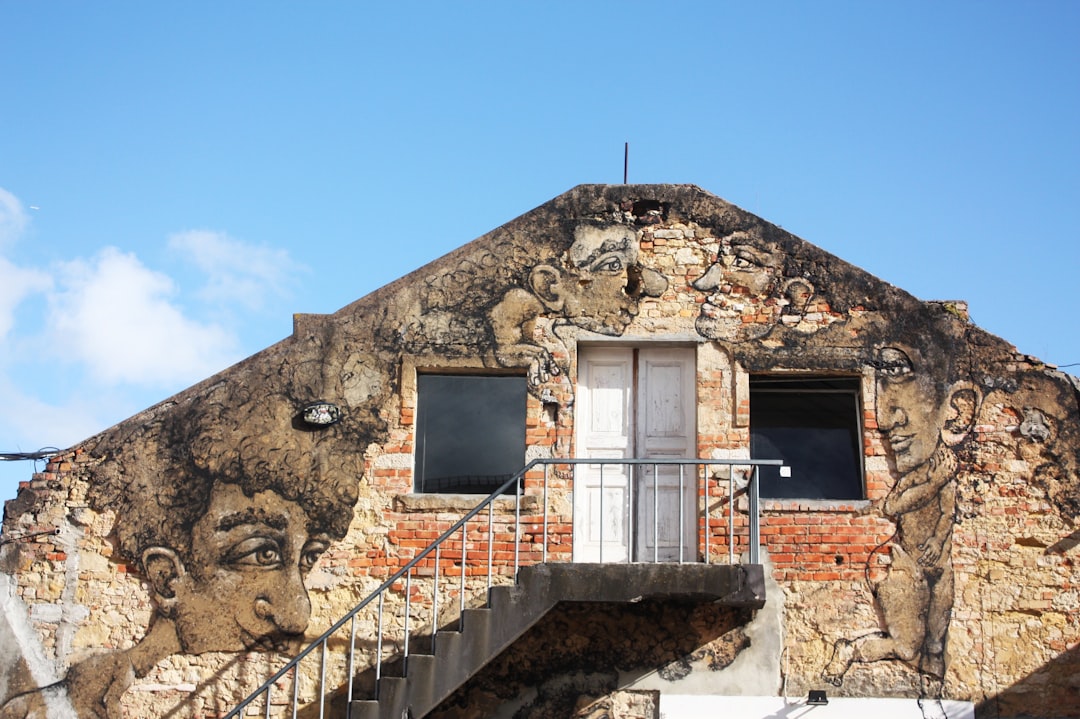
{"x": 731, "y": 514}
{"x": 435, "y": 599}
{"x": 296, "y": 691}
{"x": 755, "y": 519}
{"x": 322, "y": 682}
{"x": 545, "y": 537}
{"x": 461, "y": 590}
{"x": 630, "y": 483}
{"x": 655, "y": 516}
{"x": 378, "y": 645}
{"x": 352, "y": 666}
{"x": 682, "y": 518}
{"x": 518, "y": 489}
{"x": 706, "y": 512}
{"x": 602, "y": 518}
{"x": 491, "y": 543}
{"x": 408, "y": 611}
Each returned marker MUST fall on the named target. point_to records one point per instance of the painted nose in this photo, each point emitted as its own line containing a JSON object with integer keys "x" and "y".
{"x": 653, "y": 284}
{"x": 890, "y": 416}
{"x": 710, "y": 280}
{"x": 288, "y": 608}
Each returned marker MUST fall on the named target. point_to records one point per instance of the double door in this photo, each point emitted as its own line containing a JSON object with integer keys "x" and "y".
{"x": 635, "y": 403}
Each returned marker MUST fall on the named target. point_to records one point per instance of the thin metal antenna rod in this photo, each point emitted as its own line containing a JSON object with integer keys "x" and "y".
{"x": 625, "y": 161}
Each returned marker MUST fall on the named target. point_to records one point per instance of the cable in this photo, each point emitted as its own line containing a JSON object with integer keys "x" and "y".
{"x": 43, "y": 453}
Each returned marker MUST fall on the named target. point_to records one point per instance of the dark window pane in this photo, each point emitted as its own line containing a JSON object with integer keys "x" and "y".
{"x": 813, "y": 425}
{"x": 470, "y": 432}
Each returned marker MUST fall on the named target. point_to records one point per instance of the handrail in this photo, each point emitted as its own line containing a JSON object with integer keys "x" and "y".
{"x": 517, "y": 482}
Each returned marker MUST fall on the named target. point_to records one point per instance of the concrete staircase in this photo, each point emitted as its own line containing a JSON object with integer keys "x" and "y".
{"x": 431, "y": 678}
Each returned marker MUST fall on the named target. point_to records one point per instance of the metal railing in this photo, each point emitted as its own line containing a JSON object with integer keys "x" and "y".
{"x": 707, "y": 484}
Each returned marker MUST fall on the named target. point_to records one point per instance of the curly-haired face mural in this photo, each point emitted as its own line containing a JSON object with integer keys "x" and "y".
{"x": 224, "y": 507}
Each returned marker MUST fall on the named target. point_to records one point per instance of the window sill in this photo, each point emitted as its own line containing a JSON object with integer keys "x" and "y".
{"x": 460, "y": 502}
{"x": 857, "y": 506}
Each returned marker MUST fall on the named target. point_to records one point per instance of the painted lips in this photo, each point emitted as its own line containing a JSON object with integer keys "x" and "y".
{"x": 268, "y": 642}
{"x": 900, "y": 443}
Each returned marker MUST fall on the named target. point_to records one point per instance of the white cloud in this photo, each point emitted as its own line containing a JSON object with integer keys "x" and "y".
{"x": 17, "y": 283}
{"x": 236, "y": 271}
{"x": 13, "y": 218}
{"x": 30, "y": 423}
{"x": 115, "y": 315}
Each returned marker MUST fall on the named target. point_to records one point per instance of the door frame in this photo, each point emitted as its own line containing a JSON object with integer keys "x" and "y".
{"x": 631, "y": 531}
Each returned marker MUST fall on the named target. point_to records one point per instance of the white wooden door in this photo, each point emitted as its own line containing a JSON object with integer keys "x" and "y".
{"x": 666, "y": 496}
{"x": 634, "y": 403}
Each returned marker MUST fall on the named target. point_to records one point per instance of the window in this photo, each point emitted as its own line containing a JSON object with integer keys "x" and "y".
{"x": 470, "y": 432}
{"x": 813, "y": 425}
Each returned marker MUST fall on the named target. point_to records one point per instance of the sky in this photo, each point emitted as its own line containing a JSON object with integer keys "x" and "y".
{"x": 178, "y": 179}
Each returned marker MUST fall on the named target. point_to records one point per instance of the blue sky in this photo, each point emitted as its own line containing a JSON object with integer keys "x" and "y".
{"x": 177, "y": 179}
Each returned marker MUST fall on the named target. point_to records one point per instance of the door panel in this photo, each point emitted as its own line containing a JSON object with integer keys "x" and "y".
{"x": 601, "y": 493}
{"x": 665, "y": 429}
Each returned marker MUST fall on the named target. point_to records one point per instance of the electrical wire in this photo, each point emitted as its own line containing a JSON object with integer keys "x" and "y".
{"x": 43, "y": 453}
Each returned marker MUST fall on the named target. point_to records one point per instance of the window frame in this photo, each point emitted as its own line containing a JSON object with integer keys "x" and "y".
{"x": 803, "y": 384}
{"x": 420, "y": 483}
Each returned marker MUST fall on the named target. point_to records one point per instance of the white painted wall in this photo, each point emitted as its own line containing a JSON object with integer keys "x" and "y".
{"x": 681, "y": 706}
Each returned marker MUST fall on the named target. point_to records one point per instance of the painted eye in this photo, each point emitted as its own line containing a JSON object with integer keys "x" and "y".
{"x": 256, "y": 552}
{"x": 894, "y": 370}
{"x": 310, "y": 555}
{"x": 893, "y": 364}
{"x": 610, "y": 264}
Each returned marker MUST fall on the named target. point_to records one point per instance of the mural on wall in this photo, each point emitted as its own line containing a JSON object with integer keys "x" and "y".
{"x": 925, "y": 408}
{"x": 597, "y": 288}
{"x": 225, "y": 501}
{"x": 929, "y": 399}
{"x": 510, "y": 303}
{"x": 223, "y": 498}
{"x": 223, "y": 505}
{"x": 752, "y": 287}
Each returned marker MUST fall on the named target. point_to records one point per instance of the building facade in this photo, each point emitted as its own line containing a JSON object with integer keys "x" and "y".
{"x": 918, "y": 544}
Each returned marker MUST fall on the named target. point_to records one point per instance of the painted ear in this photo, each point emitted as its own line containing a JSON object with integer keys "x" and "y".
{"x": 963, "y": 399}
{"x": 544, "y": 283}
{"x": 163, "y": 567}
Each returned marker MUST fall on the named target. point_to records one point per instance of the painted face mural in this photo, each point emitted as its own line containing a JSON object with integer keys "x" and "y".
{"x": 244, "y": 585}
{"x": 738, "y": 285}
{"x": 747, "y": 295}
{"x": 598, "y": 288}
{"x": 250, "y": 501}
{"x": 923, "y": 415}
{"x": 602, "y": 292}
{"x": 910, "y": 407}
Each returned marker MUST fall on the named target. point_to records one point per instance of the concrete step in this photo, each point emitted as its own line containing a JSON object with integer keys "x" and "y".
{"x": 364, "y": 709}
{"x": 393, "y": 697}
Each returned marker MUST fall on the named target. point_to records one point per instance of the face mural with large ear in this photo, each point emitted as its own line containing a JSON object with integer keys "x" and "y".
{"x": 963, "y": 399}
{"x": 163, "y": 567}
{"x": 544, "y": 282}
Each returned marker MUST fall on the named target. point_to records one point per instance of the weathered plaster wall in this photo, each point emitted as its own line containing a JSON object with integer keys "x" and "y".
{"x": 954, "y": 578}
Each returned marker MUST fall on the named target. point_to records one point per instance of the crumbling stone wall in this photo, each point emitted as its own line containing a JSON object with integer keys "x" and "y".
{"x": 953, "y": 578}
{"x": 583, "y": 650}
